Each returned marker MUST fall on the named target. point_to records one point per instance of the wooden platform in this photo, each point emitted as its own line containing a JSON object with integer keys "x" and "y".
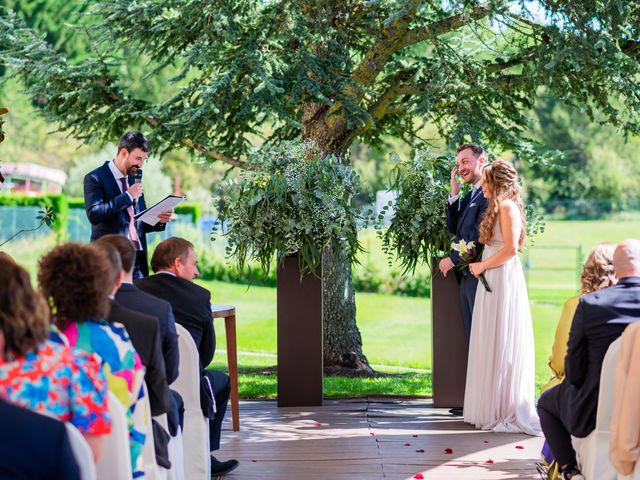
{"x": 370, "y": 439}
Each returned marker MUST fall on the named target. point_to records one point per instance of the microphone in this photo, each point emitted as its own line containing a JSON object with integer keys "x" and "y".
{"x": 138, "y": 176}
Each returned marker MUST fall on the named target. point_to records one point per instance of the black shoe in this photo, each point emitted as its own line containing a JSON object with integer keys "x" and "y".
{"x": 456, "y": 411}
{"x": 219, "y": 469}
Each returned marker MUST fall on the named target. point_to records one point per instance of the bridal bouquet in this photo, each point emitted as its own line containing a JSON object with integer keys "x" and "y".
{"x": 467, "y": 253}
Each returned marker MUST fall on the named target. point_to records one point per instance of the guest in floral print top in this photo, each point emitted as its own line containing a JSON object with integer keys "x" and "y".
{"x": 78, "y": 279}
{"x": 43, "y": 376}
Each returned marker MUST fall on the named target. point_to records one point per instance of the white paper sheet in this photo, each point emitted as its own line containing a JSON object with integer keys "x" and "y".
{"x": 150, "y": 215}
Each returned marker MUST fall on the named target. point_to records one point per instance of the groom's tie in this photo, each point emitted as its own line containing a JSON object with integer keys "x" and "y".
{"x": 133, "y": 233}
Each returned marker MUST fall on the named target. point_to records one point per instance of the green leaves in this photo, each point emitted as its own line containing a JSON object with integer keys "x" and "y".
{"x": 292, "y": 202}
{"x": 418, "y": 229}
{"x": 3, "y": 111}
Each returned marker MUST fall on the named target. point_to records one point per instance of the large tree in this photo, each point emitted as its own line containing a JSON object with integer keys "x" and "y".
{"x": 333, "y": 71}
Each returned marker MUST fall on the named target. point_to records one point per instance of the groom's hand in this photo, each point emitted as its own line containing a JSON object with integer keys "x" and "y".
{"x": 455, "y": 184}
{"x": 445, "y": 265}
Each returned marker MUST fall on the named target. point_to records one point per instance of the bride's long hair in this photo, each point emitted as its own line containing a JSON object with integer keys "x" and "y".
{"x": 502, "y": 179}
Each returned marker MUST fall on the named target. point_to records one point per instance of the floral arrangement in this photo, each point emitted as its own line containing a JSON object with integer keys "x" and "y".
{"x": 292, "y": 201}
{"x": 468, "y": 254}
{"x": 418, "y": 230}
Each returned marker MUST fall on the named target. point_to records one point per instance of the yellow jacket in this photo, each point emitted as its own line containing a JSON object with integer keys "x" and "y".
{"x": 625, "y": 420}
{"x": 559, "y": 349}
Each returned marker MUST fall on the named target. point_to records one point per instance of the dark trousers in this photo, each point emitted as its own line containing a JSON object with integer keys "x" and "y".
{"x": 553, "y": 407}
{"x": 468, "y": 286}
{"x": 221, "y": 386}
{"x": 175, "y": 415}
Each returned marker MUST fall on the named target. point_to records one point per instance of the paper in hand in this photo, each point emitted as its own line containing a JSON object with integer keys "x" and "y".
{"x": 150, "y": 215}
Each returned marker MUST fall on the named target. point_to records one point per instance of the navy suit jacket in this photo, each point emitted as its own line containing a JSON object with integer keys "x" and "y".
{"x": 107, "y": 210}
{"x": 191, "y": 306}
{"x": 464, "y": 217}
{"x": 132, "y": 297}
{"x": 34, "y": 446}
{"x": 589, "y": 338}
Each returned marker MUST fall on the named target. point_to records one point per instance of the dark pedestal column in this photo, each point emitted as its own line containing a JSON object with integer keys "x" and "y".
{"x": 299, "y": 337}
{"x": 449, "y": 349}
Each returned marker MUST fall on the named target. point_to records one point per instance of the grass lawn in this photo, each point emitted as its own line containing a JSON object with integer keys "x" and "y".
{"x": 396, "y": 330}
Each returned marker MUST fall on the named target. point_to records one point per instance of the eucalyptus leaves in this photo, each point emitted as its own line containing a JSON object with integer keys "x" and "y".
{"x": 291, "y": 201}
{"x": 418, "y": 229}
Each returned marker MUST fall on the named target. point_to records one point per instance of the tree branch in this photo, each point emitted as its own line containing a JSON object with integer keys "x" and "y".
{"x": 448, "y": 24}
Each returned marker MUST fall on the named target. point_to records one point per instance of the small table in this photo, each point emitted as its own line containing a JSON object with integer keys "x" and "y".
{"x": 228, "y": 312}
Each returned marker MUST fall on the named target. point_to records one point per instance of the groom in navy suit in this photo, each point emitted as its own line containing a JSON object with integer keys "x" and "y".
{"x": 112, "y": 197}
{"x": 463, "y": 220}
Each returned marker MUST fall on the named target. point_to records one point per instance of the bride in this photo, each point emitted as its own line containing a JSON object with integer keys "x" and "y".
{"x": 499, "y": 393}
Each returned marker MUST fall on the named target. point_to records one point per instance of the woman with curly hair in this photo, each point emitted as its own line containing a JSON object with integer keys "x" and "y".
{"x": 41, "y": 375}
{"x": 77, "y": 280}
{"x": 500, "y": 388}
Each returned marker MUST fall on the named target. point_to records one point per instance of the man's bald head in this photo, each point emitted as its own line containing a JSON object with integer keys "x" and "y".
{"x": 626, "y": 258}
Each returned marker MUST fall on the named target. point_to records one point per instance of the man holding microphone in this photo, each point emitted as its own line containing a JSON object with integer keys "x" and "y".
{"x": 113, "y": 195}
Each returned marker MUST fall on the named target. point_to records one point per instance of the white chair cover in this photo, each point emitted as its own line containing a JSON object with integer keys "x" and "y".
{"x": 82, "y": 452}
{"x": 175, "y": 451}
{"x": 197, "y": 456}
{"x": 115, "y": 463}
{"x": 152, "y": 471}
{"x": 592, "y": 451}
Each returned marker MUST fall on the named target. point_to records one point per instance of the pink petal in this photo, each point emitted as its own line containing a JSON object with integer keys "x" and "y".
{"x": 519, "y": 447}
{"x": 418, "y": 476}
{"x": 407, "y": 444}
{"x": 317, "y": 425}
{"x": 448, "y": 451}
{"x": 489, "y": 461}
{"x": 372, "y": 434}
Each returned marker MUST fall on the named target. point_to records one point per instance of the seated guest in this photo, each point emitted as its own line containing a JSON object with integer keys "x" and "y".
{"x": 37, "y": 447}
{"x": 570, "y": 408}
{"x": 175, "y": 263}
{"x": 144, "y": 332}
{"x": 129, "y": 296}
{"x": 77, "y": 279}
{"x": 42, "y": 375}
{"x": 597, "y": 273}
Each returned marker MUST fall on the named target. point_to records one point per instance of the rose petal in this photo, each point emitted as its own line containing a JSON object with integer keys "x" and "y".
{"x": 489, "y": 461}
{"x": 418, "y": 476}
{"x": 407, "y": 444}
{"x": 448, "y": 451}
{"x": 486, "y": 441}
{"x": 317, "y": 425}
{"x": 254, "y": 461}
{"x": 372, "y": 434}
{"x": 420, "y": 451}
{"x": 519, "y": 447}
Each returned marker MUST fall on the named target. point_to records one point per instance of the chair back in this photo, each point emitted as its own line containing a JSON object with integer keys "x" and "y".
{"x": 82, "y": 453}
{"x": 152, "y": 470}
{"x": 176, "y": 472}
{"x": 115, "y": 463}
{"x": 607, "y": 386}
{"x": 197, "y": 458}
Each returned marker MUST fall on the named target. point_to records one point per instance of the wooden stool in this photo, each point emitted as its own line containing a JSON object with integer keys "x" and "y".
{"x": 228, "y": 312}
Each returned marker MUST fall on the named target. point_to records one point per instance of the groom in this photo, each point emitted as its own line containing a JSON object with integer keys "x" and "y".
{"x": 463, "y": 220}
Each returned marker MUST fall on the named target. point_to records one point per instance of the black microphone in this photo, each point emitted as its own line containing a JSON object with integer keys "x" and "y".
{"x": 137, "y": 178}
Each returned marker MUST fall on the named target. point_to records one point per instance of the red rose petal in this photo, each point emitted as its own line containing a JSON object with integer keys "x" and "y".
{"x": 420, "y": 451}
{"x": 486, "y": 441}
{"x": 407, "y": 444}
{"x": 254, "y": 461}
{"x": 448, "y": 451}
{"x": 489, "y": 461}
{"x": 418, "y": 476}
{"x": 372, "y": 434}
{"x": 317, "y": 425}
{"x": 519, "y": 447}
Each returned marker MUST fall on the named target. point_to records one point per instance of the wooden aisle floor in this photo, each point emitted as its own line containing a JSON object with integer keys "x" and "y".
{"x": 370, "y": 439}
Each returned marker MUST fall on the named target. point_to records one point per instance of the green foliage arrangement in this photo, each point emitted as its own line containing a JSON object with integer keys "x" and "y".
{"x": 292, "y": 201}
{"x": 418, "y": 229}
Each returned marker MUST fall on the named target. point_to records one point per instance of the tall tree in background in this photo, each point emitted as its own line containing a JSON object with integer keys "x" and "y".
{"x": 333, "y": 71}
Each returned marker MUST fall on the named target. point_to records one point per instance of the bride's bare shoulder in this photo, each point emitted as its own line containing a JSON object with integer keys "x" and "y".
{"x": 508, "y": 206}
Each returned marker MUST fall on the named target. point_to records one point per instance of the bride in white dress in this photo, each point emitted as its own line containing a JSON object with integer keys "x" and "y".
{"x": 500, "y": 388}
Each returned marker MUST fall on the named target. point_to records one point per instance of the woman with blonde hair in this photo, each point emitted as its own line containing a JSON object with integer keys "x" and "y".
{"x": 500, "y": 388}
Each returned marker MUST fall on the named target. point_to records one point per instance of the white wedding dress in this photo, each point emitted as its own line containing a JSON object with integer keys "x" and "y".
{"x": 500, "y": 387}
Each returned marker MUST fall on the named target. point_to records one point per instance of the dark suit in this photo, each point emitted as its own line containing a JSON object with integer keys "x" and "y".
{"x": 34, "y": 446}
{"x": 192, "y": 309}
{"x": 463, "y": 220}
{"x": 570, "y": 408}
{"x": 132, "y": 297}
{"x": 144, "y": 332}
{"x": 106, "y": 206}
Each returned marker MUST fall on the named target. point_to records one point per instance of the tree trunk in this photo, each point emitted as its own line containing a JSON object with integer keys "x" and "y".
{"x": 342, "y": 341}
{"x": 341, "y": 337}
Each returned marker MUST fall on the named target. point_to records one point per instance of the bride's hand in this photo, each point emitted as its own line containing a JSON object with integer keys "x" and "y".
{"x": 477, "y": 268}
